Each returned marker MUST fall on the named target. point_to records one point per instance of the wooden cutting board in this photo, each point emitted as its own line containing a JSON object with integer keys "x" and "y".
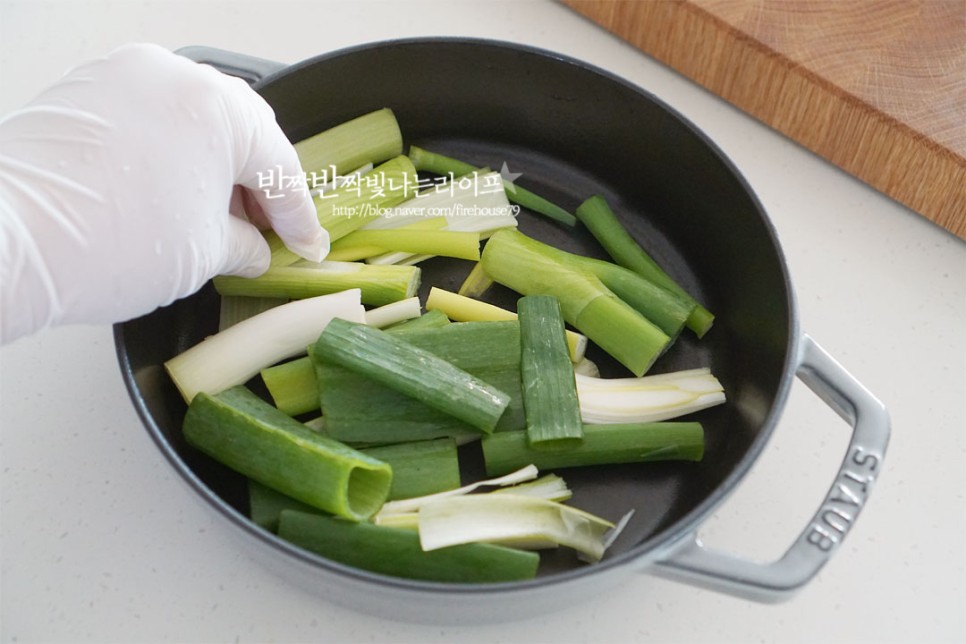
{"x": 876, "y": 87}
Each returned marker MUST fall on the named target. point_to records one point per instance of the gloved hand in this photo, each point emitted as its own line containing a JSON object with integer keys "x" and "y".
{"x": 116, "y": 185}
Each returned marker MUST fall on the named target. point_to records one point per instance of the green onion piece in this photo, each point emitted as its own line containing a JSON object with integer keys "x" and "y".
{"x": 547, "y": 375}
{"x": 265, "y": 505}
{"x": 360, "y": 410}
{"x": 378, "y": 284}
{"x": 370, "y": 138}
{"x": 603, "y": 224}
{"x": 587, "y": 367}
{"x": 351, "y": 249}
{"x": 476, "y": 283}
{"x": 419, "y": 468}
{"x": 445, "y": 243}
{"x": 523, "y": 264}
{"x": 415, "y": 372}
{"x": 443, "y": 165}
{"x": 235, "y": 309}
{"x": 648, "y": 399}
{"x": 292, "y": 386}
{"x": 233, "y": 356}
{"x": 510, "y": 518}
{"x": 397, "y": 552}
{"x": 242, "y": 431}
{"x": 466, "y": 309}
{"x": 602, "y": 445}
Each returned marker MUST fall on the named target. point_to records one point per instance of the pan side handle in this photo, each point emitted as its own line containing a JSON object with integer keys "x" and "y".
{"x": 249, "y": 68}
{"x": 692, "y": 562}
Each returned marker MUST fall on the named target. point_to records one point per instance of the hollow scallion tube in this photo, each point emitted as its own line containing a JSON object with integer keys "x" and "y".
{"x": 443, "y": 165}
{"x": 420, "y": 467}
{"x": 412, "y": 371}
{"x": 379, "y": 285}
{"x": 240, "y": 430}
{"x": 397, "y": 552}
{"x": 370, "y": 138}
{"x": 547, "y": 375}
{"x": 601, "y": 445}
{"x": 603, "y": 224}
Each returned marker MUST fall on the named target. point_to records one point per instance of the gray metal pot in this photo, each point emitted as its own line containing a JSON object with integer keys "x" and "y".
{"x": 573, "y": 130}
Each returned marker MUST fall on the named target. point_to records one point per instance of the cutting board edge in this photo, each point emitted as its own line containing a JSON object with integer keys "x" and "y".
{"x": 874, "y": 147}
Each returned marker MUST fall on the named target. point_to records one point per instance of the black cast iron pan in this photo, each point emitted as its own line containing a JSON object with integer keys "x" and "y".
{"x": 572, "y": 131}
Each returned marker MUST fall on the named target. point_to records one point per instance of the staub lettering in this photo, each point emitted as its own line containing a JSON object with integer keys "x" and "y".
{"x": 844, "y": 501}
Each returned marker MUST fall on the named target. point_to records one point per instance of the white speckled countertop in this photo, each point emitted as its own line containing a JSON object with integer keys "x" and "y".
{"x": 101, "y": 543}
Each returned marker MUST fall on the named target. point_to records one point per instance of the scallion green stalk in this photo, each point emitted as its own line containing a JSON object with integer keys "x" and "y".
{"x": 233, "y": 356}
{"x": 414, "y": 372}
{"x": 350, "y": 249}
{"x": 397, "y": 552}
{"x": 444, "y": 243}
{"x": 446, "y": 166}
{"x": 603, "y": 224}
{"x": 547, "y": 375}
{"x": 240, "y": 430}
{"x": 601, "y": 445}
{"x": 378, "y": 284}
{"x": 522, "y": 264}
{"x": 292, "y": 386}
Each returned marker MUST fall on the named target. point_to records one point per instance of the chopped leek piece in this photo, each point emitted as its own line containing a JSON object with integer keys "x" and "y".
{"x": 378, "y": 284}
{"x": 510, "y": 518}
{"x": 601, "y": 445}
{"x": 394, "y": 313}
{"x": 587, "y": 367}
{"x": 370, "y": 138}
{"x": 526, "y": 473}
{"x": 242, "y": 431}
{"x": 648, "y": 399}
{"x": 466, "y": 309}
{"x": 603, "y": 224}
{"x": 397, "y": 552}
{"x": 360, "y": 410}
{"x": 521, "y": 263}
{"x": 445, "y": 243}
{"x": 233, "y": 356}
{"x": 292, "y": 386}
{"x": 412, "y": 371}
{"x": 547, "y": 375}
{"x": 442, "y": 165}
{"x": 351, "y": 249}
{"x": 476, "y": 283}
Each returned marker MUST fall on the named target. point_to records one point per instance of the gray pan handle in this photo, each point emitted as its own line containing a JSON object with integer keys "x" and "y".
{"x": 693, "y": 563}
{"x": 248, "y": 68}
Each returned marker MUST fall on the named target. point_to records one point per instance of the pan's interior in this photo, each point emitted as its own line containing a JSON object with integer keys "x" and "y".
{"x": 572, "y": 132}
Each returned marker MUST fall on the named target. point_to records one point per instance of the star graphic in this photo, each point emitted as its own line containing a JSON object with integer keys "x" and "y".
{"x": 509, "y": 178}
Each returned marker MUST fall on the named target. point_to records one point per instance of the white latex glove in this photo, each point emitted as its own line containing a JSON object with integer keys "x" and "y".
{"x": 116, "y": 185}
